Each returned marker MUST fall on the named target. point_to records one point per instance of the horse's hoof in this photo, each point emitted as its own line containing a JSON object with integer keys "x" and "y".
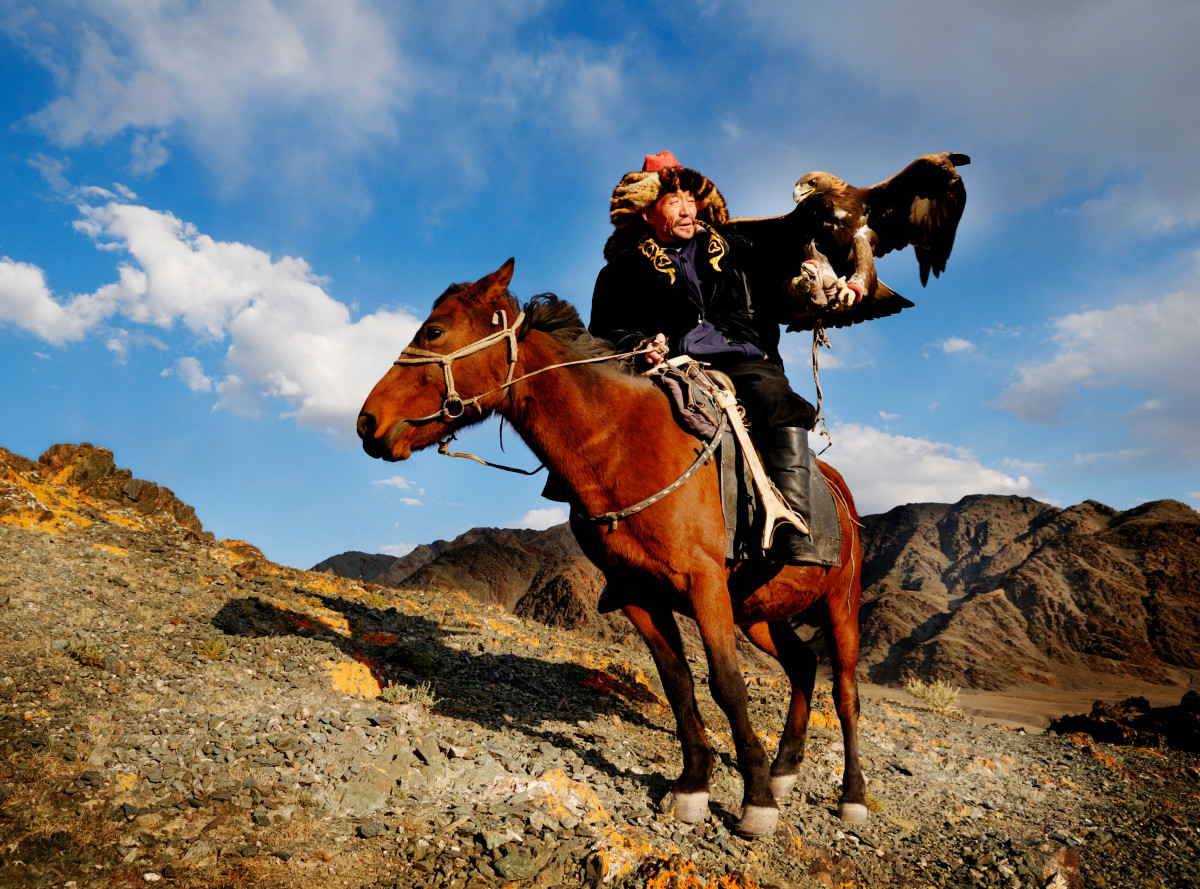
{"x": 781, "y": 786}
{"x": 691, "y": 807}
{"x": 757, "y": 821}
{"x": 855, "y": 813}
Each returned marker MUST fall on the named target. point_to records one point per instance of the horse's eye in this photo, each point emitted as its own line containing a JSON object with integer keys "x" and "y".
{"x": 433, "y": 333}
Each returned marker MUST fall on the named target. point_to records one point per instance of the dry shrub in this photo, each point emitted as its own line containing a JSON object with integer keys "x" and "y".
{"x": 939, "y": 696}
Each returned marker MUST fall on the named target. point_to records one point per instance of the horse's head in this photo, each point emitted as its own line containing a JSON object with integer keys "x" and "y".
{"x": 464, "y": 350}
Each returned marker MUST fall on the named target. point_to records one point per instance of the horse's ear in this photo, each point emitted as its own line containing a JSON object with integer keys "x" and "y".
{"x": 498, "y": 281}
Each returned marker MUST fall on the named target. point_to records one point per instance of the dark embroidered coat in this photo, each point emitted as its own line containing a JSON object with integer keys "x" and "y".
{"x": 641, "y": 293}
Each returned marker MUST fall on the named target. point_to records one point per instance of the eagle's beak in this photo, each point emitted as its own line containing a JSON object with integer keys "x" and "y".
{"x": 801, "y": 192}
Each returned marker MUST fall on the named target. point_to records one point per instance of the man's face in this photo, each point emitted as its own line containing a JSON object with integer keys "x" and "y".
{"x": 673, "y": 217}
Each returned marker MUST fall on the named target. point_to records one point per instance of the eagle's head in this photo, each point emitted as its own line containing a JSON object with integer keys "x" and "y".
{"x": 817, "y": 182}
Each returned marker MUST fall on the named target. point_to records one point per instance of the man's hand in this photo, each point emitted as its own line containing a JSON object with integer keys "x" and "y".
{"x": 658, "y": 350}
{"x": 817, "y": 283}
{"x": 820, "y": 285}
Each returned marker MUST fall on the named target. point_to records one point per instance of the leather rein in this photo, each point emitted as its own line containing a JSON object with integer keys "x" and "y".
{"x": 455, "y": 406}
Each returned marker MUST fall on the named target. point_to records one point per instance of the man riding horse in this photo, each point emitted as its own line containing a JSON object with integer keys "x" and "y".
{"x": 674, "y": 281}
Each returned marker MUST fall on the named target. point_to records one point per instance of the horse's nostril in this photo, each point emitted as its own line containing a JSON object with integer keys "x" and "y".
{"x": 366, "y": 425}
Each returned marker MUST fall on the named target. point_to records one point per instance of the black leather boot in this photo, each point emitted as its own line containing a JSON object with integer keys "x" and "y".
{"x": 786, "y": 456}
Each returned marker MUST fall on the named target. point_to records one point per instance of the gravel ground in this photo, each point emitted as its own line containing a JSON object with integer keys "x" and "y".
{"x": 183, "y": 712}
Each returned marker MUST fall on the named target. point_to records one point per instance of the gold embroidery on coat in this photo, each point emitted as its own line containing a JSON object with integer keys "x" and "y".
{"x": 716, "y": 251}
{"x": 658, "y": 257}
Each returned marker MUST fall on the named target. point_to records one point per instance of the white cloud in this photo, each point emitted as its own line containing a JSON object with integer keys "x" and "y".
{"x": 1148, "y": 345}
{"x": 395, "y": 481}
{"x": 1022, "y": 465}
{"x": 1000, "y": 329}
{"x": 541, "y": 519}
{"x": 215, "y": 67}
{"x": 884, "y": 415}
{"x": 26, "y": 302}
{"x": 1128, "y": 455}
{"x": 956, "y": 344}
{"x": 567, "y": 82}
{"x": 398, "y": 549}
{"x": 238, "y": 397}
{"x": 192, "y": 373}
{"x": 411, "y": 501}
{"x": 287, "y": 338}
{"x": 886, "y": 470}
{"x": 147, "y": 154}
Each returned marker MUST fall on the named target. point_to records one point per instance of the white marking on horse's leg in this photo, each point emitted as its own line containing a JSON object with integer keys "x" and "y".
{"x": 781, "y": 786}
{"x": 855, "y": 813}
{"x": 691, "y": 807}
{"x": 757, "y": 821}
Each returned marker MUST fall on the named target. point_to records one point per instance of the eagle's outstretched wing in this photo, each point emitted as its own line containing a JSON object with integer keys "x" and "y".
{"x": 921, "y": 205}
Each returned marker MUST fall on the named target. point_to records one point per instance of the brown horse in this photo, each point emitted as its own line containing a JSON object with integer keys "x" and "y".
{"x": 611, "y": 437}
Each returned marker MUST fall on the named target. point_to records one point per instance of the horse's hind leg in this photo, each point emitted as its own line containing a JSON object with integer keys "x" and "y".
{"x": 843, "y": 654}
{"x": 661, "y": 633}
{"x": 799, "y": 662}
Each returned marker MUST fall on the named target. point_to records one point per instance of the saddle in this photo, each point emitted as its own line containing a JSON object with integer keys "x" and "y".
{"x": 699, "y": 396}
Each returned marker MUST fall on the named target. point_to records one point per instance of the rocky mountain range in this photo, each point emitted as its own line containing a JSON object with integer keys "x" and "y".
{"x": 992, "y": 592}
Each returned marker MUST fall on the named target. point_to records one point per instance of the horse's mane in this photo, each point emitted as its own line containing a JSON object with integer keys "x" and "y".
{"x": 547, "y": 313}
{"x": 558, "y": 318}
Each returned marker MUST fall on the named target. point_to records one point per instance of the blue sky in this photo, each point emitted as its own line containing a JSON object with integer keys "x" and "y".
{"x": 221, "y": 221}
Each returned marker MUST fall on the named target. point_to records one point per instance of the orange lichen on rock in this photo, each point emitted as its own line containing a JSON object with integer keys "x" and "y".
{"x": 998, "y": 766}
{"x": 821, "y": 719}
{"x": 1104, "y": 758}
{"x": 893, "y": 714}
{"x": 354, "y": 679}
{"x": 564, "y": 796}
{"x": 622, "y": 850}
{"x": 126, "y": 782}
{"x": 324, "y": 584}
{"x": 676, "y": 872}
{"x": 620, "y": 681}
{"x": 42, "y": 506}
{"x": 115, "y": 550}
{"x": 770, "y": 740}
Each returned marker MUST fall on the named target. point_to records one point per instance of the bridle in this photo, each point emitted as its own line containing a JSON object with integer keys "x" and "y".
{"x": 453, "y": 404}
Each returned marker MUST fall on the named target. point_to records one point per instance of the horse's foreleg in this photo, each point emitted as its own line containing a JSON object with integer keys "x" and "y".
{"x": 799, "y": 662}
{"x": 661, "y": 633}
{"x": 843, "y": 654}
{"x": 714, "y": 616}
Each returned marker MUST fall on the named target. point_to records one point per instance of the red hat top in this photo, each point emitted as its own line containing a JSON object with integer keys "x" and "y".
{"x": 660, "y": 161}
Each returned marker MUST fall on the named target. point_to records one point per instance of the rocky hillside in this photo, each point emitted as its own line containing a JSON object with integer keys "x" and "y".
{"x": 992, "y": 592}
{"x": 181, "y": 711}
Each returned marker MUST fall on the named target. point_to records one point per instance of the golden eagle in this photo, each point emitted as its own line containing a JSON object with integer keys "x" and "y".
{"x": 921, "y": 205}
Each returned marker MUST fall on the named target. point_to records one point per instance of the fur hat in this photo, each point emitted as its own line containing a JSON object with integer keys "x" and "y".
{"x": 660, "y": 174}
